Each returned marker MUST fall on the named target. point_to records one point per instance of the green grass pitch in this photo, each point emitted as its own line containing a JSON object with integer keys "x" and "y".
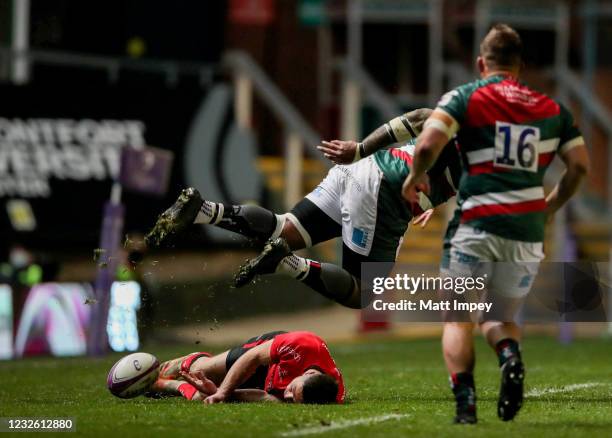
{"x": 395, "y": 388}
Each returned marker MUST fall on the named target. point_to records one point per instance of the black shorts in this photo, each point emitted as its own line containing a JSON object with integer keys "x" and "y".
{"x": 322, "y": 228}
{"x": 258, "y": 379}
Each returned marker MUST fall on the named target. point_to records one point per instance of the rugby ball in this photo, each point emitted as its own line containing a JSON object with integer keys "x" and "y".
{"x": 132, "y": 375}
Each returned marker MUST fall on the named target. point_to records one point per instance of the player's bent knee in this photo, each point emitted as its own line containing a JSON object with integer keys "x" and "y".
{"x": 354, "y": 303}
{"x": 294, "y": 232}
{"x": 357, "y": 300}
{"x": 281, "y": 219}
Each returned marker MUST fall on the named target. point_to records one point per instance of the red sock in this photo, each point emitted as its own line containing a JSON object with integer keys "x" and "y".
{"x": 187, "y": 390}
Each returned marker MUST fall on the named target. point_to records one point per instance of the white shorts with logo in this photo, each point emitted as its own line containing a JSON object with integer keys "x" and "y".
{"x": 349, "y": 195}
{"x": 510, "y": 266}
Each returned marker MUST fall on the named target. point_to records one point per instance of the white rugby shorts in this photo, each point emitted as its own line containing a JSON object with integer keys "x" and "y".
{"x": 349, "y": 195}
{"x": 509, "y": 265}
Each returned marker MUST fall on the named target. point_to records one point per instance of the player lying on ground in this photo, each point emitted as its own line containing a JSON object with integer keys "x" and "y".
{"x": 361, "y": 203}
{"x": 508, "y": 135}
{"x": 293, "y": 367}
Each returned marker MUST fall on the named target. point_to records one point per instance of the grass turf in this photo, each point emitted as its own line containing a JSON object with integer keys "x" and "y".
{"x": 385, "y": 379}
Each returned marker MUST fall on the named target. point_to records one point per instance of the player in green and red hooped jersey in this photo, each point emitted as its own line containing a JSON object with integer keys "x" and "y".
{"x": 507, "y": 134}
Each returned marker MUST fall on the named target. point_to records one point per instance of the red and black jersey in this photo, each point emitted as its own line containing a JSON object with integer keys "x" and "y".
{"x": 291, "y": 355}
{"x": 294, "y": 353}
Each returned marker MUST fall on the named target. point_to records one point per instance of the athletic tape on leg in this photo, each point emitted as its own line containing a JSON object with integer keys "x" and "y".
{"x": 280, "y": 224}
{"x": 305, "y": 236}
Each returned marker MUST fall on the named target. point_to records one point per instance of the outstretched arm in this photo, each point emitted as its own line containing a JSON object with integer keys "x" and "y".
{"x": 253, "y": 395}
{"x": 436, "y": 134}
{"x": 238, "y": 395}
{"x": 399, "y": 129}
{"x": 577, "y": 165}
{"x": 242, "y": 369}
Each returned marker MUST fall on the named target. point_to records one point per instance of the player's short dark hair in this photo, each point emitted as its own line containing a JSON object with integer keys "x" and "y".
{"x": 502, "y": 47}
{"x": 320, "y": 389}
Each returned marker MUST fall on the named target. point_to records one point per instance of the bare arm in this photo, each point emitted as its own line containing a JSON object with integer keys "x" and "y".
{"x": 577, "y": 166}
{"x": 238, "y": 395}
{"x": 402, "y": 128}
{"x": 429, "y": 146}
{"x": 252, "y": 395}
{"x": 242, "y": 369}
{"x": 427, "y": 151}
{"x": 399, "y": 129}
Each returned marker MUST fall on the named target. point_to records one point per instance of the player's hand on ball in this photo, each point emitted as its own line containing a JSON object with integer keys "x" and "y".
{"x": 423, "y": 218}
{"x": 339, "y": 151}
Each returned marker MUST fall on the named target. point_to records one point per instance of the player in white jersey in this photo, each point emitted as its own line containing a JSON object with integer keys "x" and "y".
{"x": 361, "y": 203}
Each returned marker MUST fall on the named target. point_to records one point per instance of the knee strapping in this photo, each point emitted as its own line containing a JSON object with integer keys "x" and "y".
{"x": 280, "y": 224}
{"x": 299, "y": 227}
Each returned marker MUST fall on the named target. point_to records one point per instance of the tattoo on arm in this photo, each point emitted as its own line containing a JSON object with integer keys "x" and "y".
{"x": 377, "y": 140}
{"x": 402, "y": 128}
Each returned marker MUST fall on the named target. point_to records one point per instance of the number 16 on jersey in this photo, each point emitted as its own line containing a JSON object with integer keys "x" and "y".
{"x": 516, "y": 146}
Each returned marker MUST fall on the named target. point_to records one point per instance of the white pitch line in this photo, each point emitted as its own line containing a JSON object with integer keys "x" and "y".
{"x": 568, "y": 388}
{"x": 343, "y": 424}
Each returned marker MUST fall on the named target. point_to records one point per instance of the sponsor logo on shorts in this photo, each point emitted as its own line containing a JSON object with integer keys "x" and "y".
{"x": 446, "y": 258}
{"x": 347, "y": 173}
{"x": 360, "y": 237}
{"x": 465, "y": 258}
{"x": 525, "y": 281}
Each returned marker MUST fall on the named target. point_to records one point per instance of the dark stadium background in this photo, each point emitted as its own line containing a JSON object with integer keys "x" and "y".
{"x": 239, "y": 93}
{"x": 159, "y": 62}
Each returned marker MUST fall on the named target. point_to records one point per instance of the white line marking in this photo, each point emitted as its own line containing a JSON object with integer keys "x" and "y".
{"x": 342, "y": 424}
{"x": 568, "y": 388}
